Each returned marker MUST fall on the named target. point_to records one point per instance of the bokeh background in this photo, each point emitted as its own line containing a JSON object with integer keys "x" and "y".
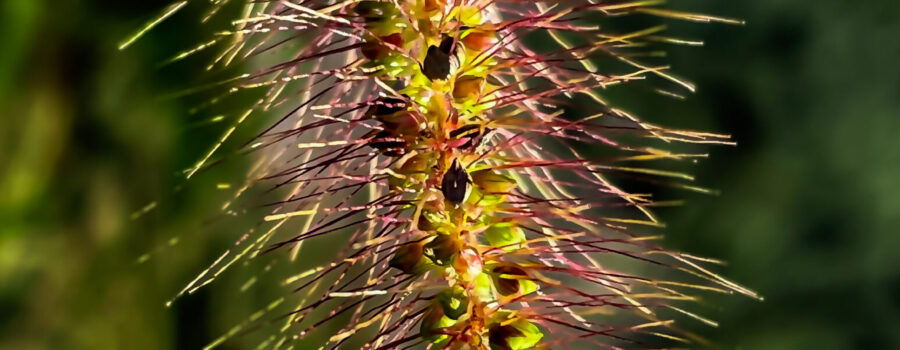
{"x": 809, "y": 211}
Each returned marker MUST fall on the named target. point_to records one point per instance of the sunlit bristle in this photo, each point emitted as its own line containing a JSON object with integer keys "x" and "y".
{"x": 169, "y": 11}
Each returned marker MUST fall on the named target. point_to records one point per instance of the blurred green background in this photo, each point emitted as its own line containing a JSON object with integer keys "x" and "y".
{"x": 809, "y": 213}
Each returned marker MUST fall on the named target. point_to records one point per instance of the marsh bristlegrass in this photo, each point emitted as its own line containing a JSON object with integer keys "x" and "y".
{"x": 465, "y": 152}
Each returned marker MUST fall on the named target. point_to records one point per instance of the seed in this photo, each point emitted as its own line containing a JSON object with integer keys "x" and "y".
{"x": 456, "y": 184}
{"x": 518, "y": 335}
{"x": 441, "y": 61}
{"x": 373, "y": 10}
{"x": 500, "y": 335}
{"x": 433, "y": 322}
{"x": 493, "y": 183}
{"x": 442, "y": 249}
{"x": 375, "y": 49}
{"x": 454, "y": 301}
{"x": 437, "y": 64}
{"x": 468, "y": 88}
{"x": 408, "y": 258}
{"x": 507, "y": 286}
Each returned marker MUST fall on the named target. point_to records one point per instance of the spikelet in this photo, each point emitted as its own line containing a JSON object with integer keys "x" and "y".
{"x": 465, "y": 152}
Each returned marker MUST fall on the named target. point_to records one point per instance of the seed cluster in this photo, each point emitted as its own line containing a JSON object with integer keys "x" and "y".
{"x": 438, "y": 135}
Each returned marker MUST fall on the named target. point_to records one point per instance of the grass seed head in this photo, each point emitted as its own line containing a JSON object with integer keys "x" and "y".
{"x": 464, "y": 151}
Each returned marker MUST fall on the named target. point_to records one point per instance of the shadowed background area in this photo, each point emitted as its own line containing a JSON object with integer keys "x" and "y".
{"x": 808, "y": 213}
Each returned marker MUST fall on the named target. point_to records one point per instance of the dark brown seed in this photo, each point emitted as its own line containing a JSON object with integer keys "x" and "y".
{"x": 447, "y": 44}
{"x": 437, "y": 64}
{"x": 441, "y": 61}
{"x": 456, "y": 184}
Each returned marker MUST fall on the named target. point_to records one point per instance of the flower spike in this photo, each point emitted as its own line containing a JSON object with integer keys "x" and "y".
{"x": 447, "y": 142}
